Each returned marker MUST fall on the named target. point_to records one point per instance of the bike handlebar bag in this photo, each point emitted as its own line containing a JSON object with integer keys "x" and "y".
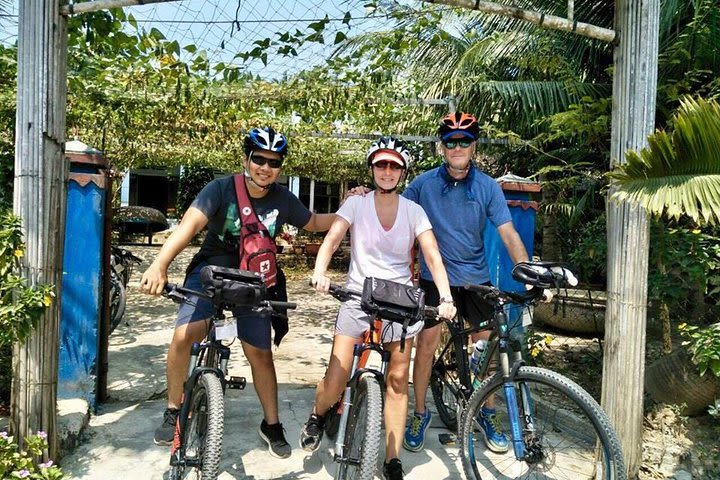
{"x": 393, "y": 301}
{"x": 233, "y": 287}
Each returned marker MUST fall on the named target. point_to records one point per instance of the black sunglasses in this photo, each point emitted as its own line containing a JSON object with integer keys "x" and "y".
{"x": 450, "y": 144}
{"x": 260, "y": 161}
{"x": 383, "y": 164}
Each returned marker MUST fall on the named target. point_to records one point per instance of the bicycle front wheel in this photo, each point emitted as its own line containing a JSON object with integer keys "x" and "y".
{"x": 203, "y": 432}
{"x": 363, "y": 435}
{"x": 564, "y": 432}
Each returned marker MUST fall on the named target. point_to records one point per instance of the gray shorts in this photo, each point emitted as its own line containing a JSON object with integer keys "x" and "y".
{"x": 353, "y": 322}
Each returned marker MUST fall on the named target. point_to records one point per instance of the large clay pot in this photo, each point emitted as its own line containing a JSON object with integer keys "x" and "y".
{"x": 312, "y": 249}
{"x": 675, "y": 379}
{"x": 576, "y": 311}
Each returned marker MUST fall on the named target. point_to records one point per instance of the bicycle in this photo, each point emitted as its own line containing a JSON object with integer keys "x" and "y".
{"x": 197, "y": 446}
{"x": 355, "y": 421}
{"x": 121, "y": 265}
{"x": 557, "y": 430}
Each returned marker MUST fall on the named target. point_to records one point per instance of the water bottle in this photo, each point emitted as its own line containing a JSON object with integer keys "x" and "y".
{"x": 476, "y": 359}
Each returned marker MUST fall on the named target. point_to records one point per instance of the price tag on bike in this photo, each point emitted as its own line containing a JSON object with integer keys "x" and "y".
{"x": 226, "y": 329}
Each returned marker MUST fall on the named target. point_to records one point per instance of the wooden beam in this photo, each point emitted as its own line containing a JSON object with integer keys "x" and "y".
{"x": 633, "y": 119}
{"x": 407, "y": 138}
{"x": 537, "y": 18}
{"x": 73, "y": 8}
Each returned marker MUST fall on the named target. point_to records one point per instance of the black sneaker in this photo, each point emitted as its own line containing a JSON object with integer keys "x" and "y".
{"x": 312, "y": 433}
{"x": 393, "y": 470}
{"x": 165, "y": 433}
{"x": 274, "y": 436}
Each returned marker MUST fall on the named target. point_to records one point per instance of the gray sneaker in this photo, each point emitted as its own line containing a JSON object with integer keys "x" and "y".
{"x": 274, "y": 436}
{"x": 165, "y": 433}
{"x": 312, "y": 433}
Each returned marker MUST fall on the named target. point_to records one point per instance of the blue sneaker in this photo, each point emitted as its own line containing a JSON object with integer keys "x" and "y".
{"x": 495, "y": 439}
{"x": 414, "y": 439}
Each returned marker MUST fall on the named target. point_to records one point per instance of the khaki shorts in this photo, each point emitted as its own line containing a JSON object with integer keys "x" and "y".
{"x": 351, "y": 321}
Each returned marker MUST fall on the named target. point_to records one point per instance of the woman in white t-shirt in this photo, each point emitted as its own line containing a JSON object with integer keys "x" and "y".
{"x": 383, "y": 227}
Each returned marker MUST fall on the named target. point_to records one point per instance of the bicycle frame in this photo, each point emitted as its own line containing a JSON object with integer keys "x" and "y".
{"x": 509, "y": 348}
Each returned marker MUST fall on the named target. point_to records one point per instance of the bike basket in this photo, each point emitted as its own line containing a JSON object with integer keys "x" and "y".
{"x": 233, "y": 287}
{"x": 393, "y": 301}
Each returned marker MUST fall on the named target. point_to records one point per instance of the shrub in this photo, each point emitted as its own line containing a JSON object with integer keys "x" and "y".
{"x": 16, "y": 463}
{"x": 704, "y": 346}
{"x": 20, "y": 305}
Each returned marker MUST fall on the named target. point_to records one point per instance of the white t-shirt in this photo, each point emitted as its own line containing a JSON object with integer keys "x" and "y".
{"x": 376, "y": 252}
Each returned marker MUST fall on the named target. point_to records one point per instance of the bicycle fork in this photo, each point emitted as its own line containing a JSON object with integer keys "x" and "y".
{"x": 520, "y": 428}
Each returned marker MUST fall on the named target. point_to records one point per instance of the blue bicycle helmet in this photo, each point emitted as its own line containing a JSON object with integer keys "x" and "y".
{"x": 265, "y": 138}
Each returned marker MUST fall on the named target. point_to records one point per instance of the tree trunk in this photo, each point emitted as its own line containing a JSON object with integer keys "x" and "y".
{"x": 551, "y": 250}
{"x": 39, "y": 200}
{"x": 633, "y": 118}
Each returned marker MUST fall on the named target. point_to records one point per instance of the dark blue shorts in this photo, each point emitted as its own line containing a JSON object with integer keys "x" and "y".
{"x": 253, "y": 328}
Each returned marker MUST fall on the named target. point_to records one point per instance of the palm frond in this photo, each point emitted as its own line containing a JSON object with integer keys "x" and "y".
{"x": 678, "y": 173}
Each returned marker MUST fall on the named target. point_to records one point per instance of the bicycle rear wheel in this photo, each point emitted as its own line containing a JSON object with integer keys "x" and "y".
{"x": 203, "y": 432}
{"x": 363, "y": 436}
{"x": 118, "y": 300}
{"x": 565, "y": 432}
{"x": 449, "y": 374}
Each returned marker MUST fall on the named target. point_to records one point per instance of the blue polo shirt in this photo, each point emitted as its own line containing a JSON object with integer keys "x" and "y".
{"x": 458, "y": 212}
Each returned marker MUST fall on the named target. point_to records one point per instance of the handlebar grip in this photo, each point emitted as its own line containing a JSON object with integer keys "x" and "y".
{"x": 276, "y": 304}
{"x": 430, "y": 313}
{"x": 171, "y": 291}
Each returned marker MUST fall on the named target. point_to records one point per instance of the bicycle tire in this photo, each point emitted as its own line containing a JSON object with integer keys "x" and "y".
{"x": 118, "y": 301}
{"x": 572, "y": 436}
{"x": 203, "y": 433}
{"x": 363, "y": 436}
{"x": 332, "y": 421}
{"x": 450, "y": 370}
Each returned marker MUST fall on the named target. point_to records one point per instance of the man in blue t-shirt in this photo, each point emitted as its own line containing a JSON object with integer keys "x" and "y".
{"x": 458, "y": 199}
{"x": 216, "y": 208}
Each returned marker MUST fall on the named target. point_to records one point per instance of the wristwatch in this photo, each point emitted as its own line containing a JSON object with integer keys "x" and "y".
{"x": 447, "y": 299}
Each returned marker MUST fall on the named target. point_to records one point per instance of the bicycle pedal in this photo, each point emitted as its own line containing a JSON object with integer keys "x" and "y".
{"x": 237, "y": 383}
{"x": 447, "y": 438}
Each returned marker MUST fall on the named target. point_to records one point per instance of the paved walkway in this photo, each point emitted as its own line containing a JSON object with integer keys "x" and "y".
{"x": 118, "y": 442}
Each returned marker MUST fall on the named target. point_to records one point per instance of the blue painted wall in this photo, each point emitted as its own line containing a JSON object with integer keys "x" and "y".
{"x": 81, "y": 292}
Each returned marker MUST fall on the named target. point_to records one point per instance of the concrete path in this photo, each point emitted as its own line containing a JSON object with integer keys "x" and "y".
{"x": 117, "y": 444}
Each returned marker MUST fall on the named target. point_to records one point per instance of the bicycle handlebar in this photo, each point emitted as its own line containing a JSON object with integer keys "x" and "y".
{"x": 541, "y": 275}
{"x": 126, "y": 254}
{"x": 343, "y": 294}
{"x": 179, "y": 294}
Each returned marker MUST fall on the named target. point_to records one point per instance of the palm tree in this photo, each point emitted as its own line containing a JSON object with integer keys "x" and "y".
{"x": 508, "y": 72}
{"x": 678, "y": 174}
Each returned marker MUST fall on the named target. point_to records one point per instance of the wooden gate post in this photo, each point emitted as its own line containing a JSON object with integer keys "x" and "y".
{"x": 39, "y": 200}
{"x": 633, "y": 119}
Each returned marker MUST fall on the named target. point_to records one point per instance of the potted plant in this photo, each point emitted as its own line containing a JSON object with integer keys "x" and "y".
{"x": 312, "y": 245}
